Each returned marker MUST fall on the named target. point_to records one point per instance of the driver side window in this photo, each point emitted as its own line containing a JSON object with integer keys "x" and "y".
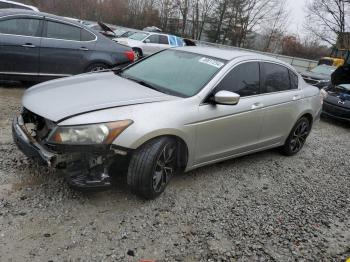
{"x": 244, "y": 80}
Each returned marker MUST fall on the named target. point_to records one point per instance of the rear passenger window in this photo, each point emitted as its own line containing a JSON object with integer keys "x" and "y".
{"x": 20, "y": 26}
{"x": 87, "y": 36}
{"x": 294, "y": 80}
{"x": 275, "y": 78}
{"x": 62, "y": 31}
{"x": 243, "y": 80}
{"x": 163, "y": 39}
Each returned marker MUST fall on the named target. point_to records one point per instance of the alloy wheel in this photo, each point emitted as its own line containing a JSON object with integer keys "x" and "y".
{"x": 165, "y": 167}
{"x": 299, "y": 136}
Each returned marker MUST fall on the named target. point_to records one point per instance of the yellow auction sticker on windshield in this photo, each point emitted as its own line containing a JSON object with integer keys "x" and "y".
{"x": 211, "y": 62}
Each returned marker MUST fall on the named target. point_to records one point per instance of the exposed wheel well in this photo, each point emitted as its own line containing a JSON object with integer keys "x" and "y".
{"x": 309, "y": 117}
{"x": 182, "y": 152}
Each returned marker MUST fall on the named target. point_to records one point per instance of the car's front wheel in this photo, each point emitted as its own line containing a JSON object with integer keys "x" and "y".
{"x": 297, "y": 137}
{"x": 152, "y": 166}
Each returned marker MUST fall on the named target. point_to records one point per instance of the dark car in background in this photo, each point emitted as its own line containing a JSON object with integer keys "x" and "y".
{"x": 36, "y": 46}
{"x": 336, "y": 103}
{"x": 320, "y": 76}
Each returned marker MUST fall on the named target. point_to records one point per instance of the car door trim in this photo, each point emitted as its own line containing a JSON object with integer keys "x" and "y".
{"x": 216, "y": 160}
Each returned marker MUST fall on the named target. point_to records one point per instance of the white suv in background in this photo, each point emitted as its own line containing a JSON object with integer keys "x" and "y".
{"x": 12, "y": 4}
{"x": 147, "y": 43}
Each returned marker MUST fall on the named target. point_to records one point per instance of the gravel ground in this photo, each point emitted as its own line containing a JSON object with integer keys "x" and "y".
{"x": 263, "y": 207}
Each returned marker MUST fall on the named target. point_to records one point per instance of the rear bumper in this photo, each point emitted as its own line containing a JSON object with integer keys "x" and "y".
{"x": 29, "y": 146}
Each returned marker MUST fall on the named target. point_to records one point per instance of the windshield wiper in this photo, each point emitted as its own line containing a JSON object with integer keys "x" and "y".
{"x": 117, "y": 70}
{"x": 141, "y": 82}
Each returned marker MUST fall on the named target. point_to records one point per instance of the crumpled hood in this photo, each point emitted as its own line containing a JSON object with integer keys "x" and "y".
{"x": 315, "y": 75}
{"x": 60, "y": 99}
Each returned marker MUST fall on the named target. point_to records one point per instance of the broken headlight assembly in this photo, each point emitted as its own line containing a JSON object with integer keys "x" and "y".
{"x": 103, "y": 133}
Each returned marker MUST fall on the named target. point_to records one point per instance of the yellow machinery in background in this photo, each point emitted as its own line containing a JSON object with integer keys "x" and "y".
{"x": 340, "y": 53}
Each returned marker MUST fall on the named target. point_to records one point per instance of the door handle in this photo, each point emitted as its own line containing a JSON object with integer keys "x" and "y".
{"x": 257, "y": 105}
{"x": 28, "y": 45}
{"x": 296, "y": 97}
{"x": 84, "y": 48}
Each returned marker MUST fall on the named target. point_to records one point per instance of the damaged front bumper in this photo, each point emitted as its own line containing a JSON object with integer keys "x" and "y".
{"x": 86, "y": 167}
{"x": 27, "y": 144}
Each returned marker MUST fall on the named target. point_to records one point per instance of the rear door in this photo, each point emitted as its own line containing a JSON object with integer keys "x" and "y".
{"x": 20, "y": 45}
{"x": 281, "y": 102}
{"x": 65, "y": 49}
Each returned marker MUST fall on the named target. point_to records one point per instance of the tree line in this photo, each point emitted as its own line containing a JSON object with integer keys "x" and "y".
{"x": 258, "y": 24}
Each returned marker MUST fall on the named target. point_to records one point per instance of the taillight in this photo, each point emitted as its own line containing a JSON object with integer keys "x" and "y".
{"x": 130, "y": 55}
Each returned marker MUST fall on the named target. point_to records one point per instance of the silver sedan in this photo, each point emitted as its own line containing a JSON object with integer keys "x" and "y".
{"x": 175, "y": 111}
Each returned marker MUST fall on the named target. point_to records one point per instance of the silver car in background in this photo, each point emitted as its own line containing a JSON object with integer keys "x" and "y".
{"x": 175, "y": 111}
{"x": 147, "y": 43}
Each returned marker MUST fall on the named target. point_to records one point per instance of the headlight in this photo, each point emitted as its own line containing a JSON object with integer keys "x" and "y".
{"x": 103, "y": 133}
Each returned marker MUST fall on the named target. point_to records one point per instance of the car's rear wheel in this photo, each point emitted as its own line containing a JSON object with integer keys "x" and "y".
{"x": 96, "y": 67}
{"x": 297, "y": 137}
{"x": 152, "y": 166}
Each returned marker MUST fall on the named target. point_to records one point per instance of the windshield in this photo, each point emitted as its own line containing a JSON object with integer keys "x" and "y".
{"x": 340, "y": 90}
{"x": 324, "y": 70}
{"x": 175, "y": 72}
{"x": 120, "y": 32}
{"x": 138, "y": 36}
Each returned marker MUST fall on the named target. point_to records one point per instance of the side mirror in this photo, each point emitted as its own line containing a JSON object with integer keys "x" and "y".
{"x": 226, "y": 98}
{"x": 147, "y": 41}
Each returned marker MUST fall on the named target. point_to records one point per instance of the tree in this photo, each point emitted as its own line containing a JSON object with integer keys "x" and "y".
{"x": 274, "y": 28}
{"x": 327, "y": 19}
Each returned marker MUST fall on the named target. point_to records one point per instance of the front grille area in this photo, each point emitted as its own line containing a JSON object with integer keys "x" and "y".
{"x": 37, "y": 126}
{"x": 336, "y": 110}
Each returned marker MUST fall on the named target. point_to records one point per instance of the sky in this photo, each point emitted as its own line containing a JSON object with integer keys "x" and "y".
{"x": 297, "y": 15}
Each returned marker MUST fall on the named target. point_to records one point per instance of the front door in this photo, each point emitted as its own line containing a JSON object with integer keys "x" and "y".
{"x": 227, "y": 130}
{"x": 20, "y": 45}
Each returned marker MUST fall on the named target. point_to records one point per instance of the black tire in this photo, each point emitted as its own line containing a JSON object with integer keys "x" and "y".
{"x": 149, "y": 171}
{"x": 138, "y": 53}
{"x": 96, "y": 67}
{"x": 297, "y": 137}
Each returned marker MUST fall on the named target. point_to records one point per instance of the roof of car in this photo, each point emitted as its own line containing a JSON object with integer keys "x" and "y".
{"x": 227, "y": 53}
{"x": 15, "y": 11}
